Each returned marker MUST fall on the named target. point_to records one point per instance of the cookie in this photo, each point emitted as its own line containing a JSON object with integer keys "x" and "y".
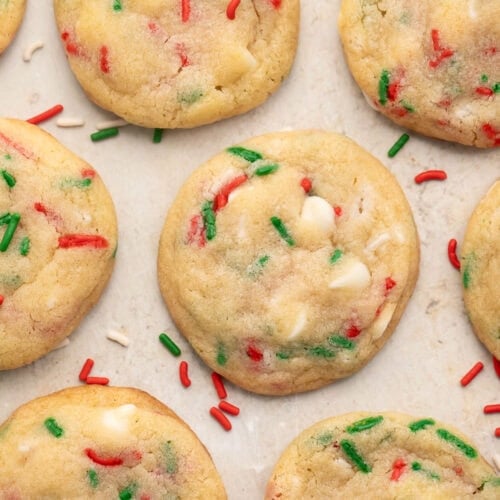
{"x": 178, "y": 63}
{"x": 480, "y": 269}
{"x": 433, "y": 67}
{"x": 287, "y": 260}
{"x": 106, "y": 442}
{"x": 11, "y": 15}
{"x": 383, "y": 456}
{"x": 58, "y": 239}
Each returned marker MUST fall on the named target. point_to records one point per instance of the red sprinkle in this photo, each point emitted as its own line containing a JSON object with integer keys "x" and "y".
{"x": 492, "y": 133}
{"x": 108, "y": 461}
{"x": 181, "y": 52}
{"x": 46, "y": 114}
{"x": 352, "y": 332}
{"x": 72, "y": 47}
{"x": 231, "y": 9}
{"x": 229, "y": 408}
{"x": 276, "y": 3}
{"x": 97, "y": 380}
{"x": 430, "y": 175}
{"x": 17, "y": 147}
{"x": 1, "y": 299}
{"x": 338, "y": 211}
{"x": 219, "y": 385}
{"x": 496, "y": 365}
{"x": 103, "y": 61}
{"x": 186, "y": 10}
{"x": 458, "y": 471}
{"x": 306, "y": 184}
{"x": 393, "y": 90}
{"x": 82, "y": 240}
{"x": 497, "y": 432}
{"x": 389, "y": 284}
{"x": 86, "y": 368}
{"x": 183, "y": 374}
{"x": 254, "y": 354}
{"x": 471, "y": 374}
{"x": 221, "y": 418}
{"x": 486, "y": 91}
{"x": 88, "y": 173}
{"x": 221, "y": 198}
{"x": 397, "y": 469}
{"x": 452, "y": 253}
{"x": 492, "y": 408}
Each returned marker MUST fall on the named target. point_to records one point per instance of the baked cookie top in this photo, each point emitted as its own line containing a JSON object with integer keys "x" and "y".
{"x": 383, "y": 456}
{"x": 287, "y": 260}
{"x": 11, "y": 15}
{"x": 57, "y": 241}
{"x": 105, "y": 442}
{"x": 480, "y": 268}
{"x": 178, "y": 63}
{"x": 433, "y": 67}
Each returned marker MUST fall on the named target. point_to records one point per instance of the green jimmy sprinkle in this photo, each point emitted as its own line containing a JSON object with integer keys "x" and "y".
{"x": 221, "y": 354}
{"x": 104, "y": 134}
{"x": 117, "y": 5}
{"x": 257, "y": 266}
{"x": 246, "y": 154}
{"x": 349, "y": 448}
{"x": 53, "y": 427}
{"x": 157, "y": 135}
{"x": 93, "y": 478}
{"x": 4, "y": 219}
{"x": 282, "y": 230}
{"x": 324, "y": 439}
{"x": 383, "y": 87}
{"x": 418, "y": 425}
{"x": 321, "y": 352}
{"x": 417, "y": 467}
{"x": 470, "y": 262}
{"x": 343, "y": 342}
{"x": 169, "y": 344}
{"x": 266, "y": 169}
{"x": 9, "y": 178}
{"x": 496, "y": 88}
{"x": 24, "y": 246}
{"x": 190, "y": 97}
{"x": 128, "y": 492}
{"x": 398, "y": 145}
{"x": 208, "y": 214}
{"x": 170, "y": 458}
{"x": 9, "y": 231}
{"x": 336, "y": 255}
{"x": 282, "y": 355}
{"x": 78, "y": 183}
{"x": 364, "y": 424}
{"x": 466, "y": 449}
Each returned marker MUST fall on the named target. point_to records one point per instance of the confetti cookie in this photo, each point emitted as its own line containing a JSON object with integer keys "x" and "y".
{"x": 288, "y": 260}
{"x": 11, "y": 15}
{"x": 106, "y": 443}
{"x": 480, "y": 268}
{"x": 178, "y": 63}
{"x": 57, "y": 242}
{"x": 383, "y": 456}
{"x": 433, "y": 67}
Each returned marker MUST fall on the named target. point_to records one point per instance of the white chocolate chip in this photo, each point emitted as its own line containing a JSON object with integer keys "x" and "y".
{"x": 300, "y": 323}
{"x": 378, "y": 327}
{"x": 319, "y": 212}
{"x": 496, "y": 461}
{"x": 117, "y": 420}
{"x": 353, "y": 274}
{"x": 378, "y": 240}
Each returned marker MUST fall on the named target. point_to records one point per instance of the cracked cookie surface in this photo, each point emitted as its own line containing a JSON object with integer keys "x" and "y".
{"x": 383, "y": 456}
{"x": 58, "y": 237}
{"x": 433, "y": 67}
{"x": 107, "y": 442}
{"x": 178, "y": 63}
{"x": 11, "y": 15}
{"x": 287, "y": 260}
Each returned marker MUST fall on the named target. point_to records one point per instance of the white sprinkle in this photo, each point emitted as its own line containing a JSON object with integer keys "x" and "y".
{"x": 377, "y": 241}
{"x": 70, "y": 122}
{"x": 64, "y": 343}
{"x": 28, "y": 51}
{"x": 352, "y": 275}
{"x": 118, "y": 337}
{"x": 111, "y": 124}
{"x": 379, "y": 326}
{"x": 300, "y": 323}
{"x": 496, "y": 461}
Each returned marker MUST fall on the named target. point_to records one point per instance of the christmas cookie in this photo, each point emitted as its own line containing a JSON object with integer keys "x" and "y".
{"x": 383, "y": 456}
{"x": 480, "y": 268}
{"x": 11, "y": 15}
{"x": 57, "y": 242}
{"x": 103, "y": 442}
{"x": 433, "y": 67}
{"x": 178, "y": 63}
{"x": 287, "y": 260}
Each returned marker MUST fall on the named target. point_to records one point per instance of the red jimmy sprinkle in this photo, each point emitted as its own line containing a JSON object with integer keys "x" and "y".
{"x": 452, "y": 253}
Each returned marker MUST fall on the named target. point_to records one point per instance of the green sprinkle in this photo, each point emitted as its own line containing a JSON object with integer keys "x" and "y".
{"x": 419, "y": 425}
{"x": 398, "y": 145}
{"x": 470, "y": 261}
{"x": 117, "y": 5}
{"x": 496, "y": 88}
{"x": 484, "y": 78}
{"x": 113, "y": 255}
{"x": 364, "y": 424}
{"x": 93, "y": 478}
{"x": 104, "y": 134}
{"x": 383, "y": 87}
{"x": 266, "y": 169}
{"x": 246, "y": 154}
{"x": 417, "y": 466}
{"x": 325, "y": 439}
{"x": 350, "y": 450}
{"x": 208, "y": 215}
{"x": 9, "y": 178}
{"x": 170, "y": 458}
{"x": 4, "y": 219}
{"x": 169, "y": 344}
{"x": 256, "y": 267}
{"x": 221, "y": 354}
{"x": 282, "y": 230}
{"x": 336, "y": 256}
{"x": 24, "y": 246}
{"x": 157, "y": 135}
{"x": 53, "y": 427}
{"x": 128, "y": 492}
{"x": 407, "y": 106}
{"x": 466, "y": 449}
{"x": 8, "y": 157}
{"x": 9, "y": 231}
{"x": 189, "y": 97}
{"x": 282, "y": 355}
{"x": 340, "y": 341}
{"x": 78, "y": 183}
{"x": 321, "y": 352}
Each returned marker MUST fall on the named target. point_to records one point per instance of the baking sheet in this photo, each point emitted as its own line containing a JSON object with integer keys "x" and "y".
{"x": 419, "y": 369}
